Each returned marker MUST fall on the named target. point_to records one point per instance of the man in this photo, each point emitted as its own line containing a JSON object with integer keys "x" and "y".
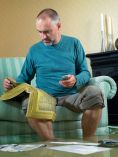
{"x": 51, "y": 59}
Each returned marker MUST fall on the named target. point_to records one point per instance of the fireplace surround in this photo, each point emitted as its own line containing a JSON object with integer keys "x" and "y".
{"x": 106, "y": 63}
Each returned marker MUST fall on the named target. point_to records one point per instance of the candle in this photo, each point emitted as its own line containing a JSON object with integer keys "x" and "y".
{"x": 102, "y": 22}
{"x": 109, "y": 25}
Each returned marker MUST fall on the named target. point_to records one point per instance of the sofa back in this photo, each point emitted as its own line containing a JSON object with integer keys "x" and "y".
{"x": 10, "y": 67}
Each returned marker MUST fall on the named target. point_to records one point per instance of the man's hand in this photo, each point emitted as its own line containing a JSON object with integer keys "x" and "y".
{"x": 7, "y": 83}
{"x": 70, "y": 82}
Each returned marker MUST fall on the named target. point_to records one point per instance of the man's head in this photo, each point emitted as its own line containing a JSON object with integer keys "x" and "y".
{"x": 48, "y": 25}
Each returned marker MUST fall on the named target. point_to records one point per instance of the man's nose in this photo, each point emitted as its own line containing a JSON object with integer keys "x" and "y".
{"x": 44, "y": 36}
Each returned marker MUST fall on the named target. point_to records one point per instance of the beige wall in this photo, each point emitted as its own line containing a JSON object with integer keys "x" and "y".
{"x": 80, "y": 18}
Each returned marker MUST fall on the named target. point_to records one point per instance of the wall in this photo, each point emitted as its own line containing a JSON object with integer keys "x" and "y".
{"x": 80, "y": 18}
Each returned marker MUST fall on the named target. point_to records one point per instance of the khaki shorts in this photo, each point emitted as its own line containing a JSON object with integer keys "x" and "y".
{"x": 88, "y": 97}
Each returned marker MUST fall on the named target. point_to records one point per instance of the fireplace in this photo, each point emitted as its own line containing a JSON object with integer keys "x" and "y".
{"x": 106, "y": 63}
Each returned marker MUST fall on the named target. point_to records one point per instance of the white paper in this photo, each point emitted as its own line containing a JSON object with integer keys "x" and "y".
{"x": 79, "y": 149}
{"x": 19, "y": 147}
{"x": 79, "y": 143}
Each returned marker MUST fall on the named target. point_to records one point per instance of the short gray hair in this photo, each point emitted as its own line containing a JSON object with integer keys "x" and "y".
{"x": 50, "y": 13}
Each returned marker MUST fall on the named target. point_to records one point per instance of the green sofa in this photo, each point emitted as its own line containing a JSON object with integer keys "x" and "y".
{"x": 13, "y": 124}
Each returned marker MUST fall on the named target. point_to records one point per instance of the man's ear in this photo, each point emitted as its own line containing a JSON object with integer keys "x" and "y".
{"x": 59, "y": 25}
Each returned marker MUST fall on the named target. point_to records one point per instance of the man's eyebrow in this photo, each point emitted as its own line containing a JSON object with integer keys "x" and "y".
{"x": 43, "y": 31}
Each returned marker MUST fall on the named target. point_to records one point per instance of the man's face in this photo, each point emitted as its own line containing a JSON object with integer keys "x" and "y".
{"x": 48, "y": 30}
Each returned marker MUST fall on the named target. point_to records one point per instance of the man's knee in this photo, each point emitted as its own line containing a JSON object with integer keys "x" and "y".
{"x": 35, "y": 121}
{"x": 39, "y": 123}
{"x": 93, "y": 90}
{"x": 92, "y": 97}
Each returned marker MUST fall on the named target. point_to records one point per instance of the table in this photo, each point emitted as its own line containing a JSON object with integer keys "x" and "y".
{"x": 44, "y": 152}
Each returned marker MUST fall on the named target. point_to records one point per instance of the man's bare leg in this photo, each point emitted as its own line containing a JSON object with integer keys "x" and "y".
{"x": 42, "y": 127}
{"x": 90, "y": 121}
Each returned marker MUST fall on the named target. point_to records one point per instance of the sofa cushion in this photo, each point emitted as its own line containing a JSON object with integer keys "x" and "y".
{"x": 14, "y": 128}
{"x": 11, "y": 111}
{"x": 64, "y": 114}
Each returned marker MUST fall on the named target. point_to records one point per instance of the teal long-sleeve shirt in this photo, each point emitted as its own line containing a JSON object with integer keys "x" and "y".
{"x": 50, "y": 62}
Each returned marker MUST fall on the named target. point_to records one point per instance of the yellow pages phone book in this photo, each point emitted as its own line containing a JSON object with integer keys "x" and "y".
{"x": 40, "y": 104}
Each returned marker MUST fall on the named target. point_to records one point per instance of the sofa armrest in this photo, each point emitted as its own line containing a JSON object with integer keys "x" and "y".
{"x": 106, "y": 84}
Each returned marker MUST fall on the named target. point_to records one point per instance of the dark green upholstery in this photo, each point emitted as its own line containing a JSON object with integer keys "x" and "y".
{"x": 13, "y": 124}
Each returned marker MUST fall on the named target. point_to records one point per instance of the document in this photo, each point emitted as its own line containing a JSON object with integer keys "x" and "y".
{"x": 79, "y": 149}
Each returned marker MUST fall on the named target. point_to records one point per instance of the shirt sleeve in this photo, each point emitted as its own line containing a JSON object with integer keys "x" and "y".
{"x": 27, "y": 71}
{"x": 82, "y": 73}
